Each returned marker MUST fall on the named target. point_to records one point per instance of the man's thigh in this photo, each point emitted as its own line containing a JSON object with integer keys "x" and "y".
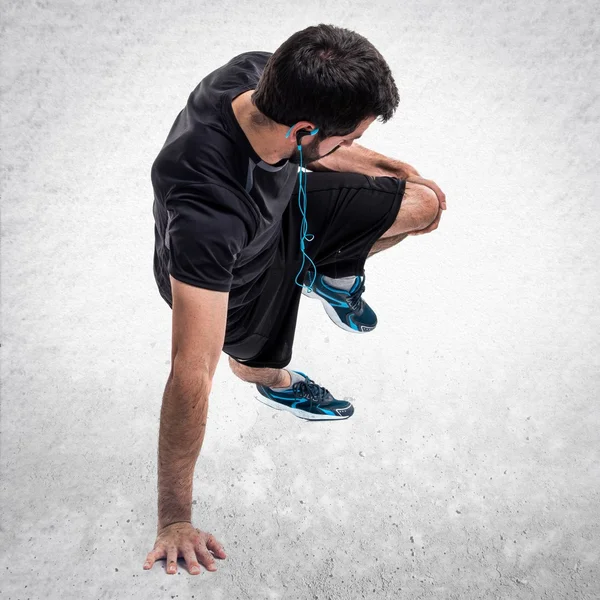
{"x": 347, "y": 213}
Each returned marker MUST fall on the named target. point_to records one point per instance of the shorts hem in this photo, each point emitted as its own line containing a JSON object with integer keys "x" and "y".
{"x": 358, "y": 267}
{"x": 257, "y": 364}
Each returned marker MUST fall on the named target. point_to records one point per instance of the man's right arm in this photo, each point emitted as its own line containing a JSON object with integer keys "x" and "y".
{"x": 199, "y": 321}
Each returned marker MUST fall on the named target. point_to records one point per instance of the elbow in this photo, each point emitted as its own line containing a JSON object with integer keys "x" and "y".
{"x": 192, "y": 369}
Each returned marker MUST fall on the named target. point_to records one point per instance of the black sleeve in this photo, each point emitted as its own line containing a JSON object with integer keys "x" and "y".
{"x": 208, "y": 225}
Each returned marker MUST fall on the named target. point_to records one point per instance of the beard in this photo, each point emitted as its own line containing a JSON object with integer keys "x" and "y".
{"x": 310, "y": 153}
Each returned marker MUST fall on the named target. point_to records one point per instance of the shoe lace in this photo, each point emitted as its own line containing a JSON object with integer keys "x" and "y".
{"x": 311, "y": 391}
{"x": 354, "y": 298}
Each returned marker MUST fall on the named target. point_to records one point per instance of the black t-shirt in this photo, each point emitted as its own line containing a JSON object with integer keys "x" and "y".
{"x": 217, "y": 205}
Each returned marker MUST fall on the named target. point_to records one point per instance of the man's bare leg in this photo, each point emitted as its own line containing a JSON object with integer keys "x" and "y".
{"x": 418, "y": 210}
{"x": 278, "y": 378}
{"x": 384, "y": 243}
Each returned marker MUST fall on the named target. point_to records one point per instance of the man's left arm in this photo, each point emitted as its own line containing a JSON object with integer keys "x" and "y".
{"x": 358, "y": 159}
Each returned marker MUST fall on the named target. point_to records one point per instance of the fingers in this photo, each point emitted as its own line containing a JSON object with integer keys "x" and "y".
{"x": 204, "y": 556}
{"x": 171, "y": 556}
{"x": 215, "y": 547}
{"x": 190, "y": 559}
{"x": 153, "y": 556}
{"x": 193, "y": 545}
{"x": 438, "y": 192}
{"x": 172, "y": 560}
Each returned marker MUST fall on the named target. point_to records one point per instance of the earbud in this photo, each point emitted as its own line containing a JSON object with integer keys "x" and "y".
{"x": 300, "y": 134}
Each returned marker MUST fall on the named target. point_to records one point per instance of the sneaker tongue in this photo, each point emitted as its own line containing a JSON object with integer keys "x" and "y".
{"x": 354, "y": 298}
{"x": 320, "y": 393}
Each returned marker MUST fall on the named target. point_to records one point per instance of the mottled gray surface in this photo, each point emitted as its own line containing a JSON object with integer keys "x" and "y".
{"x": 470, "y": 468}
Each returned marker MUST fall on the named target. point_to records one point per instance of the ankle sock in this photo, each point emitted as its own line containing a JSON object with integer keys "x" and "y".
{"x": 295, "y": 379}
{"x": 343, "y": 283}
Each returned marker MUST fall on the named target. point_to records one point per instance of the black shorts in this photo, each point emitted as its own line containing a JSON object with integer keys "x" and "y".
{"x": 346, "y": 213}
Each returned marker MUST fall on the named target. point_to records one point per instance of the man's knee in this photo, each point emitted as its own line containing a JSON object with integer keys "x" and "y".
{"x": 419, "y": 208}
{"x": 424, "y": 203}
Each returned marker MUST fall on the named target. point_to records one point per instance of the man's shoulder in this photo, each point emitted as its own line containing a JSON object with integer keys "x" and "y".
{"x": 259, "y": 56}
{"x": 211, "y": 200}
{"x": 241, "y": 70}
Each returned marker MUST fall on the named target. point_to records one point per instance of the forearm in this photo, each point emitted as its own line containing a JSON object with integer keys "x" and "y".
{"x": 182, "y": 426}
{"x": 358, "y": 159}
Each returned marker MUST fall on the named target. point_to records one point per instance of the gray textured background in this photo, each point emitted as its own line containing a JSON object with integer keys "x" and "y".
{"x": 470, "y": 468}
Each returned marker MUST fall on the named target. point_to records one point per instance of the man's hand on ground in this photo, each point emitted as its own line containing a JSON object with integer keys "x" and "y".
{"x": 182, "y": 539}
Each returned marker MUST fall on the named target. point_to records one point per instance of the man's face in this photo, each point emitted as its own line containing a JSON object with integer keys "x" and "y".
{"x": 317, "y": 149}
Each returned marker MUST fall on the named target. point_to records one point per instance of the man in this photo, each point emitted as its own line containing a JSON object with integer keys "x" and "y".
{"x": 230, "y": 258}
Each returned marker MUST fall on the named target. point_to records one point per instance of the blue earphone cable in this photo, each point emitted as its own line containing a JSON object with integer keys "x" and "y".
{"x": 304, "y": 235}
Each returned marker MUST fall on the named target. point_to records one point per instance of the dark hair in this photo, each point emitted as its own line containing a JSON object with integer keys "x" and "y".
{"x": 329, "y": 75}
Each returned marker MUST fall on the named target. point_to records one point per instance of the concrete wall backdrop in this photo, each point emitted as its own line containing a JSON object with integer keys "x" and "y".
{"x": 470, "y": 467}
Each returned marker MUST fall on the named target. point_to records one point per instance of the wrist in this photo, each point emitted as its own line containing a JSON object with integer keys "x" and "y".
{"x": 402, "y": 170}
{"x": 169, "y": 523}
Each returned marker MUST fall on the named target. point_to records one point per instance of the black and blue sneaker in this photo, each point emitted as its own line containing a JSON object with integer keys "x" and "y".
{"x": 345, "y": 307}
{"x": 306, "y": 399}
